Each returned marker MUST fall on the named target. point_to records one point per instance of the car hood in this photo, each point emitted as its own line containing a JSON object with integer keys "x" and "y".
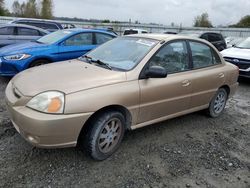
{"x": 236, "y": 53}
{"x": 68, "y": 77}
{"x": 20, "y": 48}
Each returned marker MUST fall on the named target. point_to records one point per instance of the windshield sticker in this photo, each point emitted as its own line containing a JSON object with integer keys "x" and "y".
{"x": 145, "y": 42}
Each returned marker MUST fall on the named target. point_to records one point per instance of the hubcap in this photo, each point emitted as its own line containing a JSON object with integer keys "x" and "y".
{"x": 219, "y": 102}
{"x": 110, "y": 135}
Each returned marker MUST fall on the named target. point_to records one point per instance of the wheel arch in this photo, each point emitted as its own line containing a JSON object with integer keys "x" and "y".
{"x": 227, "y": 88}
{"x": 126, "y": 113}
{"x": 39, "y": 58}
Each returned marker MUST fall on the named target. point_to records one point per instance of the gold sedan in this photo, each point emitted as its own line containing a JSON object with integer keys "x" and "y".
{"x": 127, "y": 83}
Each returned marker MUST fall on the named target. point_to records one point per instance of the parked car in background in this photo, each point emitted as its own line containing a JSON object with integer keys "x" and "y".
{"x": 170, "y": 32}
{"x": 134, "y": 31}
{"x": 239, "y": 55}
{"x": 215, "y": 38}
{"x": 57, "y": 46}
{"x": 68, "y": 26}
{"x": 44, "y": 24}
{"x": 17, "y": 33}
{"x": 126, "y": 83}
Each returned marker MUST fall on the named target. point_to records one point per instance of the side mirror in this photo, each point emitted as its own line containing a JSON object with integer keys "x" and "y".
{"x": 156, "y": 72}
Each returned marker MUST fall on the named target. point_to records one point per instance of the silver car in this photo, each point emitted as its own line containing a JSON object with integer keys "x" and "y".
{"x": 16, "y": 33}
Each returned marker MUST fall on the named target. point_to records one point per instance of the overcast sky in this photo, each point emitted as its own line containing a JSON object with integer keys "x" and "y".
{"x": 157, "y": 11}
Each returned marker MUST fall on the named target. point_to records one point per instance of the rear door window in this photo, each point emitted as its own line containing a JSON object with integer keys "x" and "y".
{"x": 80, "y": 39}
{"x": 27, "y": 32}
{"x": 203, "y": 56}
{"x": 7, "y": 31}
{"x": 102, "y": 38}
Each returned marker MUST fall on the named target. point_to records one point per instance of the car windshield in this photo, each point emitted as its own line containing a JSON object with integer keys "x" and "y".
{"x": 244, "y": 44}
{"x": 123, "y": 53}
{"x": 54, "y": 37}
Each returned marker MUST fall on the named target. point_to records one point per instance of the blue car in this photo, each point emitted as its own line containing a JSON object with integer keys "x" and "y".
{"x": 58, "y": 46}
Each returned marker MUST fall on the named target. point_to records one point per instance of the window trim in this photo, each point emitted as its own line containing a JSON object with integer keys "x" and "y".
{"x": 143, "y": 71}
{"x": 191, "y": 56}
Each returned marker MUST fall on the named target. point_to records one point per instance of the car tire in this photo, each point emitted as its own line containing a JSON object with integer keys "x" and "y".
{"x": 218, "y": 103}
{"x": 38, "y": 62}
{"x": 105, "y": 135}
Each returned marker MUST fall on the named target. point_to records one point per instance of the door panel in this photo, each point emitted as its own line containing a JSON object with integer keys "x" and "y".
{"x": 208, "y": 76}
{"x": 161, "y": 97}
{"x": 165, "y": 96}
{"x": 205, "y": 83}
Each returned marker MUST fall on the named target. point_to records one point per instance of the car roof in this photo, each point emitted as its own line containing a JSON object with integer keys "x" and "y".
{"x": 133, "y": 29}
{"x": 26, "y": 26}
{"x": 165, "y": 37}
{"x": 78, "y": 30}
{"x": 36, "y": 20}
{"x": 197, "y": 33}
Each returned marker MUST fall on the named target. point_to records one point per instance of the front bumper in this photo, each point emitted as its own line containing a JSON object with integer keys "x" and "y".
{"x": 7, "y": 69}
{"x": 11, "y": 68}
{"x": 44, "y": 130}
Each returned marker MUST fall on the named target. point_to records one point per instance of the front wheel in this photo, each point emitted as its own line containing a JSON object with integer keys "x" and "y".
{"x": 218, "y": 103}
{"x": 105, "y": 135}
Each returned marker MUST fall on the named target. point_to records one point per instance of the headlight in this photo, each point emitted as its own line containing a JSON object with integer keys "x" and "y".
{"x": 48, "y": 102}
{"x": 16, "y": 57}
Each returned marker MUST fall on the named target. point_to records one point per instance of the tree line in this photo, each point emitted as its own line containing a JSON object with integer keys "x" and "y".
{"x": 203, "y": 21}
{"x": 30, "y": 9}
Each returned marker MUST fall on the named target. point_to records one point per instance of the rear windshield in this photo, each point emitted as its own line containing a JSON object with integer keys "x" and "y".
{"x": 54, "y": 37}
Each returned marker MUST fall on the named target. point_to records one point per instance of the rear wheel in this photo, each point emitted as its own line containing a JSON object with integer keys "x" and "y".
{"x": 218, "y": 103}
{"x": 38, "y": 62}
{"x": 105, "y": 135}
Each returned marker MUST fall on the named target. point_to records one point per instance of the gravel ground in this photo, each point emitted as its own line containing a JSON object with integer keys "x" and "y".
{"x": 189, "y": 151}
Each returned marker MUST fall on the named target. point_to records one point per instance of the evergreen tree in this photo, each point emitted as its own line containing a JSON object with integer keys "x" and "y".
{"x": 47, "y": 9}
{"x": 202, "y": 21}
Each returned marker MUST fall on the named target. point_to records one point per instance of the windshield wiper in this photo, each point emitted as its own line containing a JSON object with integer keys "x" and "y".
{"x": 97, "y": 61}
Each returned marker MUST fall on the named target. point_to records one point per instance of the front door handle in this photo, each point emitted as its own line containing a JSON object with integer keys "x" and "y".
{"x": 186, "y": 83}
{"x": 221, "y": 75}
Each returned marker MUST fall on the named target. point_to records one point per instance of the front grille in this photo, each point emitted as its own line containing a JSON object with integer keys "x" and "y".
{"x": 241, "y": 63}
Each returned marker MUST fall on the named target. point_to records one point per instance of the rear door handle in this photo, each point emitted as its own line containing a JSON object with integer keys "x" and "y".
{"x": 221, "y": 75}
{"x": 186, "y": 83}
